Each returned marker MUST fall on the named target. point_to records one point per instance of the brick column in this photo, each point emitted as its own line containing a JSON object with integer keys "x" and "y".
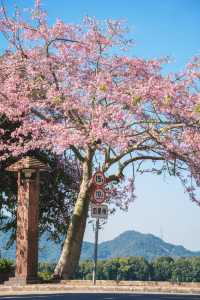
{"x": 27, "y": 227}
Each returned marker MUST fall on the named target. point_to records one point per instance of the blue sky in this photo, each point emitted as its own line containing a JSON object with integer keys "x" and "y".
{"x": 159, "y": 28}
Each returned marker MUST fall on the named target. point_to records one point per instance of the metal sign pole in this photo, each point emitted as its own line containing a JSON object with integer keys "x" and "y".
{"x": 95, "y": 252}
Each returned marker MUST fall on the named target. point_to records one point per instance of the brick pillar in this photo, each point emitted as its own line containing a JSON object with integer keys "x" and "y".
{"x": 27, "y": 227}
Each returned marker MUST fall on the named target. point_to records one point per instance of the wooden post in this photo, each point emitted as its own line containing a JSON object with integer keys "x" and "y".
{"x": 27, "y": 219}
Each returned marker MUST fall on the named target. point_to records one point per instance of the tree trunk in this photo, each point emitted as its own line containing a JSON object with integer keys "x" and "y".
{"x": 71, "y": 251}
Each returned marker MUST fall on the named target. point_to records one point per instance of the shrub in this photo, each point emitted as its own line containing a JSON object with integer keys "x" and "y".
{"x": 6, "y": 265}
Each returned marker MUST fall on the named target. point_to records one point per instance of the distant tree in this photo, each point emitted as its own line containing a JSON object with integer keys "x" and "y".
{"x": 100, "y": 270}
{"x": 137, "y": 268}
{"x": 134, "y": 268}
{"x": 141, "y": 268}
{"x": 111, "y": 269}
{"x": 195, "y": 261}
{"x": 162, "y": 268}
{"x": 84, "y": 270}
{"x": 124, "y": 269}
{"x": 183, "y": 270}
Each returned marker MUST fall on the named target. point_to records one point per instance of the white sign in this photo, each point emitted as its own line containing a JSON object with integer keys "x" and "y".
{"x": 99, "y": 211}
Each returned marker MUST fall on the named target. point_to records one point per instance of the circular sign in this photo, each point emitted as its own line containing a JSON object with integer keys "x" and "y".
{"x": 99, "y": 195}
{"x": 99, "y": 178}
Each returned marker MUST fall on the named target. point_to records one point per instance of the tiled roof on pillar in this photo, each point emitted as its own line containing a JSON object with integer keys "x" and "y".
{"x": 27, "y": 162}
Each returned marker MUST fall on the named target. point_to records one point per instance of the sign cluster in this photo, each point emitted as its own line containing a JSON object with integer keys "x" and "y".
{"x": 99, "y": 196}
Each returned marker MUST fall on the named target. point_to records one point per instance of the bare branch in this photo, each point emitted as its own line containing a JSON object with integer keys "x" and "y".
{"x": 59, "y": 40}
{"x": 122, "y": 166}
{"x": 77, "y": 153}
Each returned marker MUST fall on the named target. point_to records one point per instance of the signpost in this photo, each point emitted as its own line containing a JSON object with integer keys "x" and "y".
{"x": 98, "y": 211}
{"x": 95, "y": 251}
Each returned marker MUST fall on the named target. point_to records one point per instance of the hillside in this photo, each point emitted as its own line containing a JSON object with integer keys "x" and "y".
{"x": 133, "y": 243}
{"x": 129, "y": 243}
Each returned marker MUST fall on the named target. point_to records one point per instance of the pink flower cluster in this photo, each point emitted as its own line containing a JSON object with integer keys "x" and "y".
{"x": 68, "y": 86}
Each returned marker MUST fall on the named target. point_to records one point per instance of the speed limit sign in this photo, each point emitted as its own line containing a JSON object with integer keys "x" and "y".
{"x": 99, "y": 195}
{"x": 99, "y": 178}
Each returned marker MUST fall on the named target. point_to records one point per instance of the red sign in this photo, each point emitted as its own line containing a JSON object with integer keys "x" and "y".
{"x": 99, "y": 195}
{"x": 99, "y": 178}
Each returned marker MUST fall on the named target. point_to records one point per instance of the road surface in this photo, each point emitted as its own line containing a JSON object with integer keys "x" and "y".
{"x": 102, "y": 296}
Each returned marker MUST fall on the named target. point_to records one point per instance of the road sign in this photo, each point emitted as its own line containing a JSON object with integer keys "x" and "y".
{"x": 99, "y": 211}
{"x": 99, "y": 195}
{"x": 99, "y": 178}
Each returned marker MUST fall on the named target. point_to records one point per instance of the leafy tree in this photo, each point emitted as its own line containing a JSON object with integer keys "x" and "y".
{"x": 100, "y": 270}
{"x": 111, "y": 269}
{"x": 58, "y": 190}
{"x": 73, "y": 88}
{"x": 139, "y": 268}
{"x": 163, "y": 268}
{"x": 195, "y": 261}
{"x": 182, "y": 271}
{"x": 124, "y": 270}
{"x": 85, "y": 270}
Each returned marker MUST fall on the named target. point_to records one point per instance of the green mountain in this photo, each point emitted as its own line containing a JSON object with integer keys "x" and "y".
{"x": 129, "y": 243}
{"x": 133, "y": 243}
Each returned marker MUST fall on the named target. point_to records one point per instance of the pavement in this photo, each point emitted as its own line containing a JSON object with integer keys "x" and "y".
{"x": 101, "y": 296}
{"x": 103, "y": 290}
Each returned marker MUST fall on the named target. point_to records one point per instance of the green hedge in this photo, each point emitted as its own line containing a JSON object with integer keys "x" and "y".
{"x": 6, "y": 265}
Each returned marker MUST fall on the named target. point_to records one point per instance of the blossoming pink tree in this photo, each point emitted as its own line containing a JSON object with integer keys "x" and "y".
{"x": 73, "y": 88}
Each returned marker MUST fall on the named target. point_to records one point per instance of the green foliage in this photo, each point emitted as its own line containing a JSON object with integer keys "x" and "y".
{"x": 130, "y": 268}
{"x": 45, "y": 276}
{"x": 85, "y": 270}
{"x": 111, "y": 269}
{"x": 134, "y": 268}
{"x": 195, "y": 261}
{"x": 45, "y": 271}
{"x": 183, "y": 270}
{"x": 162, "y": 268}
{"x": 6, "y": 265}
{"x": 46, "y": 267}
{"x": 137, "y": 268}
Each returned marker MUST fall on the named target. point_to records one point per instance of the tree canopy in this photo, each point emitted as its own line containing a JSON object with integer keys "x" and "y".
{"x": 75, "y": 87}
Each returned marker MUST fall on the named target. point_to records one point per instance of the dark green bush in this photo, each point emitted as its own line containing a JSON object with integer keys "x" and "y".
{"x": 6, "y": 265}
{"x": 45, "y": 275}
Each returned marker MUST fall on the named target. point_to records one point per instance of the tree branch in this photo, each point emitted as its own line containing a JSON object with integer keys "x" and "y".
{"x": 120, "y": 175}
{"x": 77, "y": 153}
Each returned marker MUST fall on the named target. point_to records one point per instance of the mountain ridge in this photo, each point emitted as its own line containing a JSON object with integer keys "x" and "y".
{"x": 128, "y": 243}
{"x": 134, "y": 243}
